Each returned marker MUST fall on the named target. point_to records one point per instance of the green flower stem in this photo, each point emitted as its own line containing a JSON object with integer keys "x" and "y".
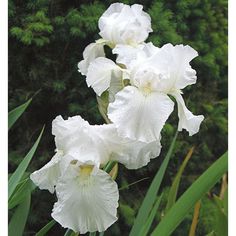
{"x": 109, "y": 166}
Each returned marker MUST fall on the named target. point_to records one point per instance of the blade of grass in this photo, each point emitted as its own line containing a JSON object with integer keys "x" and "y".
{"x": 18, "y": 220}
{"x": 195, "y": 218}
{"x": 15, "y": 114}
{"x": 46, "y": 228}
{"x": 175, "y": 185}
{"x": 150, "y": 219}
{"x": 203, "y": 184}
{"x": 17, "y": 175}
{"x": 151, "y": 194}
{"x": 128, "y": 185}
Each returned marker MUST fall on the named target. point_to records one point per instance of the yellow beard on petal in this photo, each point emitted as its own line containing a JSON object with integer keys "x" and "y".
{"x": 85, "y": 179}
{"x": 86, "y": 170}
{"x": 147, "y": 89}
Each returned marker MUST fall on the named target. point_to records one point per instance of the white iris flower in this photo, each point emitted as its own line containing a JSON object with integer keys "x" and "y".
{"x": 140, "y": 84}
{"x": 87, "y": 196}
{"x": 119, "y": 24}
{"x": 140, "y": 110}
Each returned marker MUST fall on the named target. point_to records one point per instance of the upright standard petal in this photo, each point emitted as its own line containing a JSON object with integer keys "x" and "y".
{"x": 173, "y": 62}
{"x": 181, "y": 69}
{"x": 112, "y": 12}
{"x": 68, "y": 132}
{"x": 100, "y": 73}
{"x": 82, "y": 141}
{"x": 187, "y": 120}
{"x": 127, "y": 53}
{"x": 91, "y": 52}
{"x": 87, "y": 201}
{"x": 122, "y": 24}
{"x": 139, "y": 53}
{"x": 140, "y": 115}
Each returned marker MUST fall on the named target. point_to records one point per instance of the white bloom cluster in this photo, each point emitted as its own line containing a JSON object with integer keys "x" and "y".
{"x": 139, "y": 83}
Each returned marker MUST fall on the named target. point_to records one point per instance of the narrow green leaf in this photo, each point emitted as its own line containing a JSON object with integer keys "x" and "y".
{"x": 17, "y": 175}
{"x": 218, "y": 202}
{"x": 225, "y": 202}
{"x": 18, "y": 220}
{"x": 203, "y": 184}
{"x": 175, "y": 185}
{"x": 16, "y": 113}
{"x": 221, "y": 223}
{"x": 46, "y": 228}
{"x": 150, "y": 219}
{"x": 150, "y": 197}
{"x": 20, "y": 193}
{"x": 92, "y": 234}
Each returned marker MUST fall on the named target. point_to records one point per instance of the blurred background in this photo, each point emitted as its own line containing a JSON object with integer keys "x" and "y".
{"x": 46, "y": 41}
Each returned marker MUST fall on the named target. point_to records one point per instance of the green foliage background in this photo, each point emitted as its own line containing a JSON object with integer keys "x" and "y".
{"x": 46, "y": 41}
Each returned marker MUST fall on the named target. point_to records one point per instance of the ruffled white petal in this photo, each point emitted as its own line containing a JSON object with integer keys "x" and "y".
{"x": 61, "y": 127}
{"x": 47, "y": 176}
{"x": 100, "y": 73}
{"x": 168, "y": 67}
{"x": 137, "y": 54}
{"x": 68, "y": 132}
{"x": 139, "y": 116}
{"x": 136, "y": 154}
{"x": 127, "y": 53}
{"x": 86, "y": 204}
{"x": 112, "y": 10}
{"x": 82, "y": 141}
{"x": 173, "y": 63}
{"x": 187, "y": 120}
{"x": 123, "y": 24}
{"x": 142, "y": 17}
{"x": 91, "y": 52}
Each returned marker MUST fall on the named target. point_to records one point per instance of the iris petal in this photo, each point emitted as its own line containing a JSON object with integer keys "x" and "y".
{"x": 140, "y": 116}
{"x": 187, "y": 120}
{"x": 86, "y": 203}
